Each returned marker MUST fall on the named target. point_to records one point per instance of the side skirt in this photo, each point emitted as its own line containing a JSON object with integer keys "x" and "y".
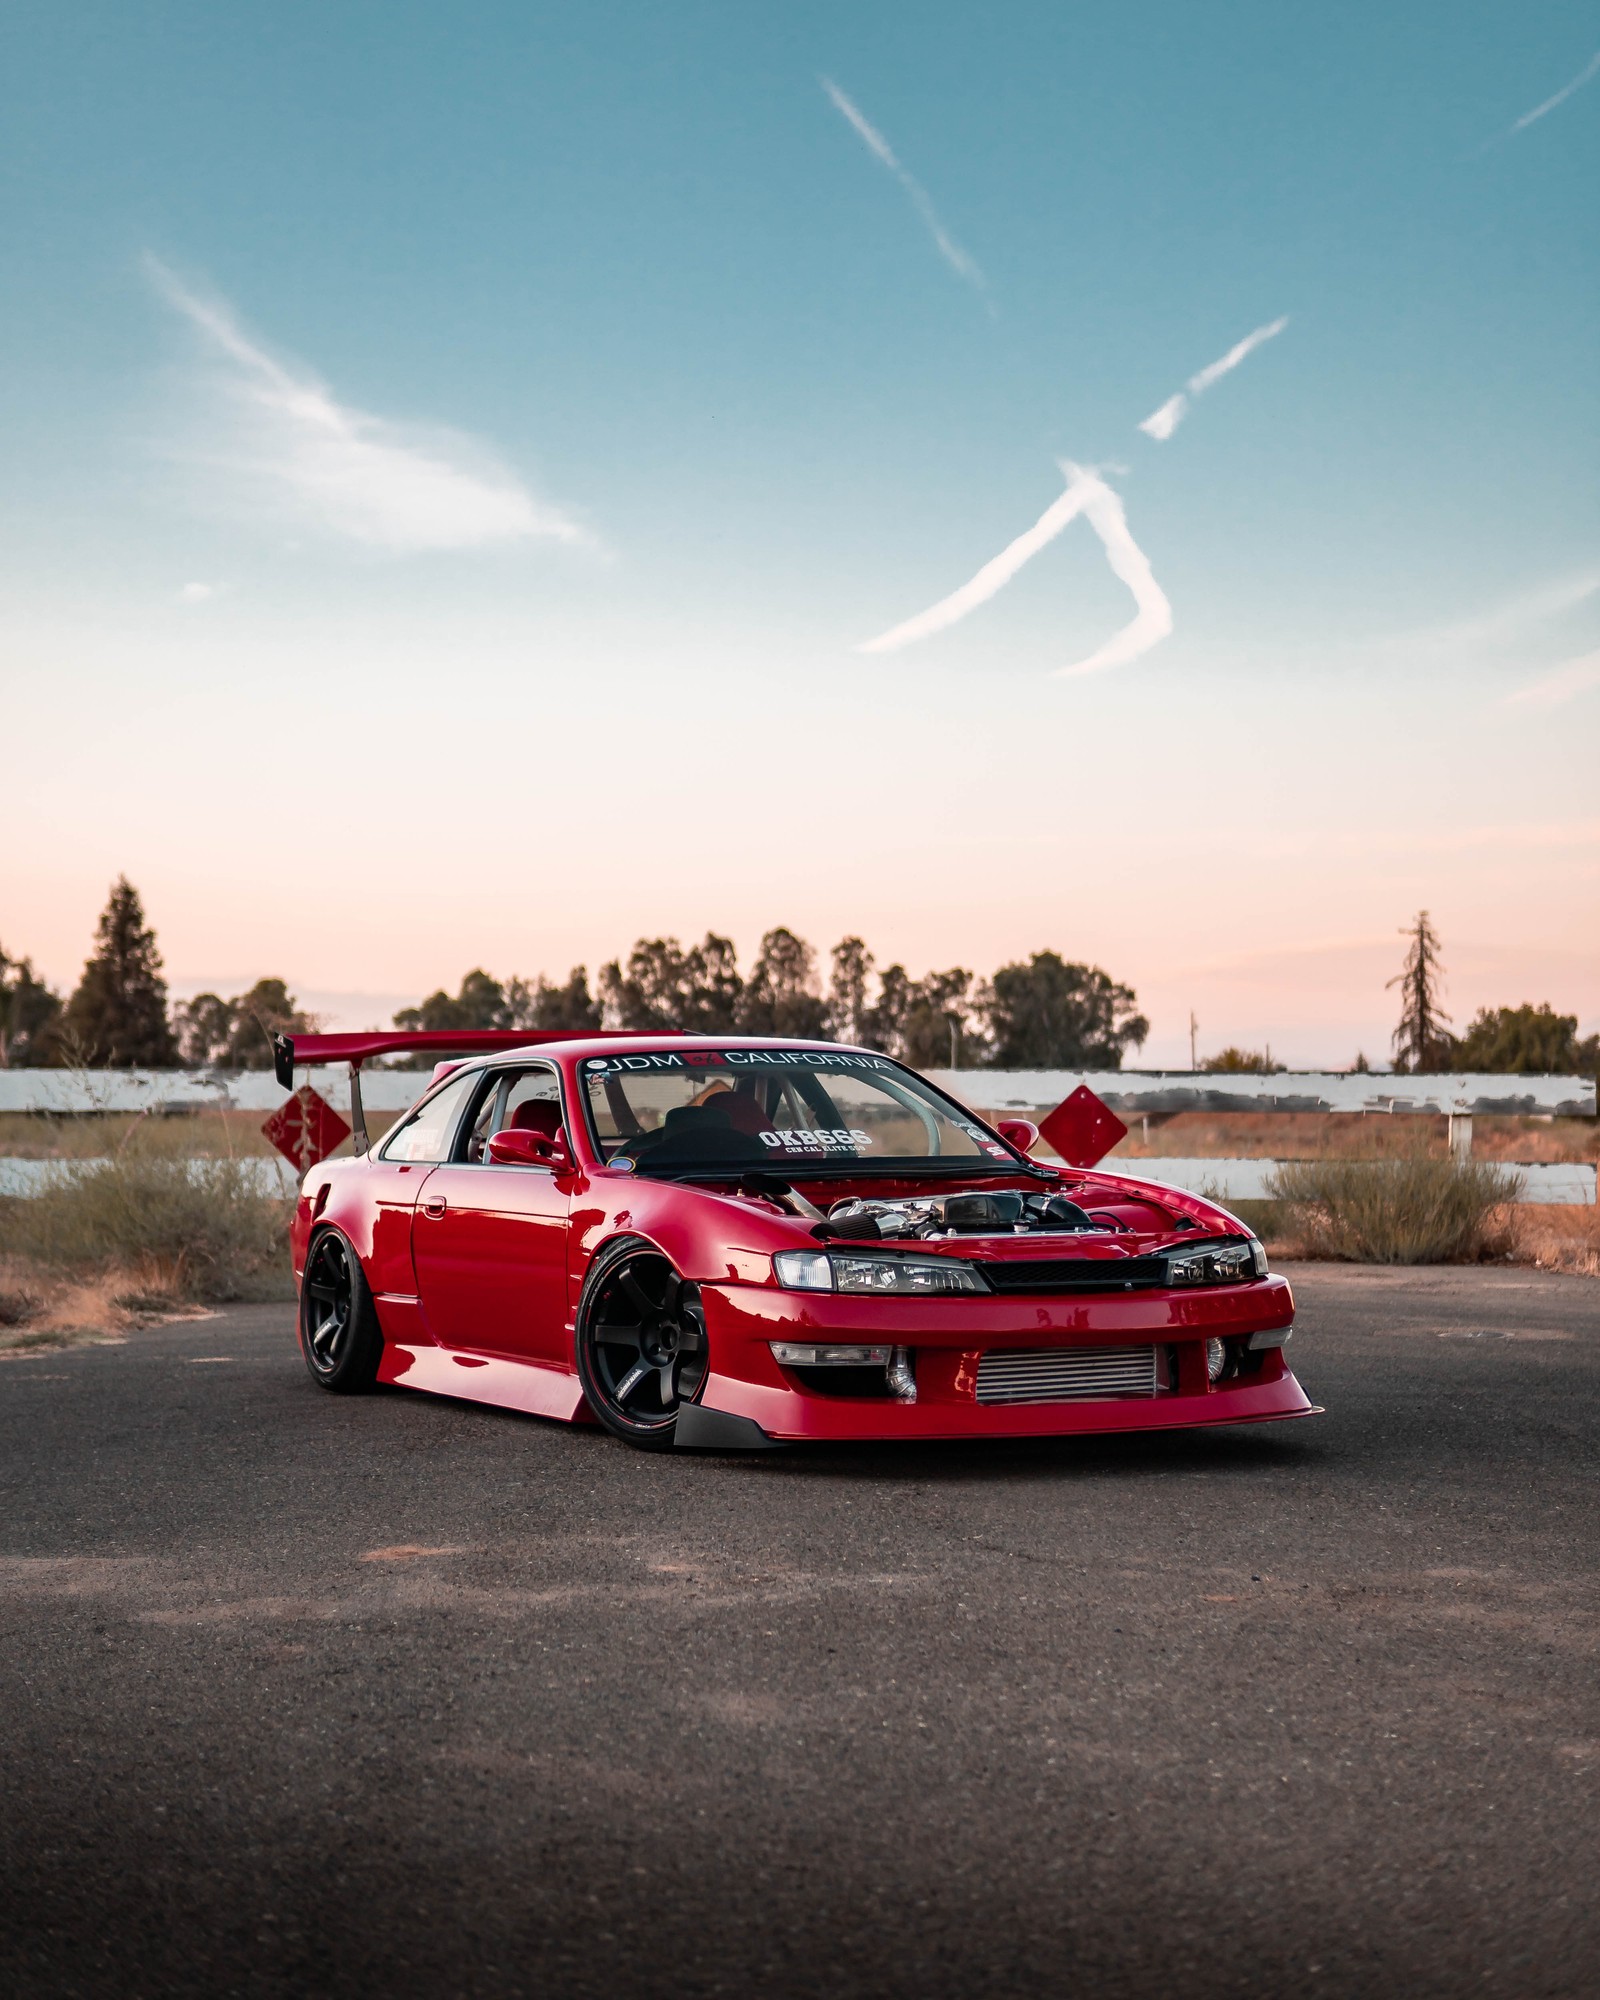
{"x": 530, "y": 1386}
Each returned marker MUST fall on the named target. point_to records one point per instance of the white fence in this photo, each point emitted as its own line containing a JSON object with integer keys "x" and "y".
{"x": 1132, "y": 1094}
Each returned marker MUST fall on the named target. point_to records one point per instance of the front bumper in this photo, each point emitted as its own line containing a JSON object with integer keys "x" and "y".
{"x": 949, "y": 1335}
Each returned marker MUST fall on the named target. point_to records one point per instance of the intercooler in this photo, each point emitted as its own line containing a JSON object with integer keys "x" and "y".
{"x": 1066, "y": 1374}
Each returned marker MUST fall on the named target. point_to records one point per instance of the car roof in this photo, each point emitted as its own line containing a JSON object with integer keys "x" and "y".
{"x": 656, "y": 1042}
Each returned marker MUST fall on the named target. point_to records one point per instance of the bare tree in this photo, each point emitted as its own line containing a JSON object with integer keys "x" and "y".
{"x": 1422, "y": 1040}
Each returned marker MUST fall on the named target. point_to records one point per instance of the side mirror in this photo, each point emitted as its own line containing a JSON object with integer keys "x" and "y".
{"x": 516, "y": 1148}
{"x": 1019, "y": 1132}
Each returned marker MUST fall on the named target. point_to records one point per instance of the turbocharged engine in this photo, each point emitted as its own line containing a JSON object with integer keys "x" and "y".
{"x": 1001, "y": 1212}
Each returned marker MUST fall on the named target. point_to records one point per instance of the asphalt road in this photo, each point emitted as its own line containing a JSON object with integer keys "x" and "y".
{"x": 390, "y": 1695}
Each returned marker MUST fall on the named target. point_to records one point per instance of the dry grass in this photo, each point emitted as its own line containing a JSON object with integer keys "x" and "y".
{"x": 1559, "y": 1238}
{"x": 1416, "y": 1210}
{"x": 175, "y": 1229}
{"x": 41, "y": 1308}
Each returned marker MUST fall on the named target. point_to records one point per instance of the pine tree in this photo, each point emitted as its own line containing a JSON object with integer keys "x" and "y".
{"x": 1422, "y": 1040}
{"x": 117, "y": 1018}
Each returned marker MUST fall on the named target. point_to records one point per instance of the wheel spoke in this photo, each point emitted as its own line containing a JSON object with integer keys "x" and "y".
{"x": 631, "y": 1380}
{"x": 319, "y": 1338}
{"x": 669, "y": 1394}
{"x": 646, "y": 1307}
{"x": 670, "y": 1297}
{"x": 618, "y": 1336}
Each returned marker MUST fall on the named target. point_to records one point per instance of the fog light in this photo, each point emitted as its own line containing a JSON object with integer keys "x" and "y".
{"x": 902, "y": 1376}
{"x": 808, "y": 1354}
{"x": 1216, "y": 1359}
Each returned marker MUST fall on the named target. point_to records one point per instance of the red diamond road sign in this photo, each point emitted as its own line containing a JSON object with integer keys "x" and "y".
{"x": 305, "y": 1129}
{"x": 1083, "y": 1129}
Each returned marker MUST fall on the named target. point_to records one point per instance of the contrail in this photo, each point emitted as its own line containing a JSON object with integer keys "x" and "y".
{"x": 1160, "y": 424}
{"x": 879, "y": 147}
{"x": 1585, "y": 75}
{"x": 1560, "y": 685}
{"x": 1086, "y": 494}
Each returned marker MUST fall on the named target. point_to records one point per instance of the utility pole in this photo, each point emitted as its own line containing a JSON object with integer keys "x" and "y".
{"x": 1194, "y": 1029}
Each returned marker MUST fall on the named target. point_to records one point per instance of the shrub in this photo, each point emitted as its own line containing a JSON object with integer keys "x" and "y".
{"x": 196, "y": 1229}
{"x": 1405, "y": 1211}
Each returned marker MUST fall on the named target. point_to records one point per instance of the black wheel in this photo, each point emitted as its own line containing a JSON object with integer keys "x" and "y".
{"x": 339, "y": 1334}
{"x": 642, "y": 1348}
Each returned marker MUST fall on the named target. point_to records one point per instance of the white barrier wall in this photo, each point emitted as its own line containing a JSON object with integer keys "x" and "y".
{"x": 1126, "y": 1091}
{"x": 1130, "y": 1093}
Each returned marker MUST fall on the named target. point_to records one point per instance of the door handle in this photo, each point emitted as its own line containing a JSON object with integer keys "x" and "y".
{"x": 434, "y": 1205}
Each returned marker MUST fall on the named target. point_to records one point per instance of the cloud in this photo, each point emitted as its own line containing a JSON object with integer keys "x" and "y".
{"x": 1559, "y": 686}
{"x": 197, "y": 593}
{"x": 1086, "y": 494}
{"x": 1587, "y": 74}
{"x": 881, "y": 150}
{"x": 1505, "y": 623}
{"x": 1160, "y": 424}
{"x": 286, "y": 440}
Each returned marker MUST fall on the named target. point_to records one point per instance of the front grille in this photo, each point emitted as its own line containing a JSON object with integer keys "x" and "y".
{"x": 1076, "y": 1274}
{"x": 1065, "y": 1374}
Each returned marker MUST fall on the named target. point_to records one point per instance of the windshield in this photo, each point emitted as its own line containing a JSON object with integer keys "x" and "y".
{"x": 785, "y": 1110}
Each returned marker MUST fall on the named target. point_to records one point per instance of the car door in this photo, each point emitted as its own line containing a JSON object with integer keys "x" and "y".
{"x": 489, "y": 1242}
{"x": 396, "y": 1171}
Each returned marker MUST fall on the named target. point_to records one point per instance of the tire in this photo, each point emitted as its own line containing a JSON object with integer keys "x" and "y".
{"x": 339, "y": 1335}
{"x": 642, "y": 1350}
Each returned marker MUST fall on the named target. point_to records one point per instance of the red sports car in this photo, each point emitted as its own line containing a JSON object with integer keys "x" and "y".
{"x": 730, "y": 1243}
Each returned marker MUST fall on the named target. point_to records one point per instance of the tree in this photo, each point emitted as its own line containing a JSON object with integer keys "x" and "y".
{"x": 117, "y": 1017}
{"x": 781, "y": 996}
{"x": 713, "y": 988}
{"x": 930, "y": 1022}
{"x": 936, "y": 1021}
{"x": 1422, "y": 1040}
{"x": 481, "y": 1003}
{"x": 847, "y": 991}
{"x": 1242, "y": 1062}
{"x": 545, "y": 1006}
{"x": 29, "y": 1014}
{"x": 203, "y": 1026}
{"x": 1525, "y": 1040}
{"x": 1048, "y": 1014}
{"x": 237, "y": 1033}
{"x": 665, "y": 986}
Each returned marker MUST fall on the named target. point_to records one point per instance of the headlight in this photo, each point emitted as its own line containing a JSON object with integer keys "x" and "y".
{"x": 1217, "y": 1264}
{"x": 902, "y": 1277}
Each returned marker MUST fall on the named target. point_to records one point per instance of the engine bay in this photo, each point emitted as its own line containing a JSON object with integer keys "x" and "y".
{"x": 994, "y": 1212}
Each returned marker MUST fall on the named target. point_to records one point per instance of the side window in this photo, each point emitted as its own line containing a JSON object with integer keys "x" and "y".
{"x": 425, "y": 1135}
{"x": 533, "y": 1103}
{"x": 485, "y": 1120}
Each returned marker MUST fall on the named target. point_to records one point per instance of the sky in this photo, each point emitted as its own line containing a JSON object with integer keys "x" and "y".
{"x": 482, "y": 484}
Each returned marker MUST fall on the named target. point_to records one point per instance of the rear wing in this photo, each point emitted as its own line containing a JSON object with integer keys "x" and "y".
{"x": 291, "y": 1051}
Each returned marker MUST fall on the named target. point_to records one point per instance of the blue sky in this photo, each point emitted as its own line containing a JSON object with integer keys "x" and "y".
{"x": 454, "y": 456}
